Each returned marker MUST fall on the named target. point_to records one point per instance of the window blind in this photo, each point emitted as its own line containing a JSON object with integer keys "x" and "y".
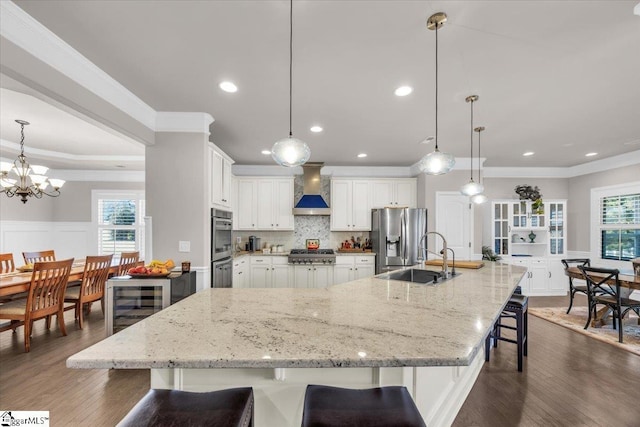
{"x": 620, "y": 227}
{"x": 120, "y": 225}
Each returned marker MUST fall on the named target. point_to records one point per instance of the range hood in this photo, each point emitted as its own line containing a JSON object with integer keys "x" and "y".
{"x": 311, "y": 202}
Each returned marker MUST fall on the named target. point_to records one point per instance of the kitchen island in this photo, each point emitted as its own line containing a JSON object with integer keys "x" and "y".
{"x": 364, "y": 333}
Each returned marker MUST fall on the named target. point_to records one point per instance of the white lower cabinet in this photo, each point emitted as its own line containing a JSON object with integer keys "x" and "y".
{"x": 353, "y": 267}
{"x": 270, "y": 272}
{"x": 544, "y": 276}
{"x": 241, "y": 270}
{"x": 312, "y": 276}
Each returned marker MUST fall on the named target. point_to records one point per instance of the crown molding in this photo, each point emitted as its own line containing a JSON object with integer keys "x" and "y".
{"x": 48, "y": 154}
{"x": 99, "y": 175}
{"x": 167, "y": 121}
{"x": 23, "y": 30}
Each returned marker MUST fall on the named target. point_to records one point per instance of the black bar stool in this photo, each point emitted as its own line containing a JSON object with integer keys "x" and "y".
{"x": 376, "y": 407}
{"x": 516, "y": 308}
{"x": 224, "y": 408}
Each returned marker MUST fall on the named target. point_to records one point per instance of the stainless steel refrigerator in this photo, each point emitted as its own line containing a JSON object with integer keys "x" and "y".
{"x": 395, "y": 237}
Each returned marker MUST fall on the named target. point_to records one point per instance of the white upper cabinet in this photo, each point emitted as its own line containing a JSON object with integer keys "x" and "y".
{"x": 393, "y": 193}
{"x": 518, "y": 228}
{"x": 265, "y": 204}
{"x": 220, "y": 172}
{"x": 350, "y": 208}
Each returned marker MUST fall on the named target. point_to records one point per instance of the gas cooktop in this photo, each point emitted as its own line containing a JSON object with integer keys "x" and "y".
{"x": 311, "y": 256}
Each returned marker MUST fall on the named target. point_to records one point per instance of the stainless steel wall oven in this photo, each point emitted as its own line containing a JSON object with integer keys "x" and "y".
{"x": 221, "y": 249}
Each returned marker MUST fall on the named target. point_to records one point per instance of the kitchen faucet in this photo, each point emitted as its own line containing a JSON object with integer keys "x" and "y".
{"x": 443, "y": 253}
{"x": 453, "y": 262}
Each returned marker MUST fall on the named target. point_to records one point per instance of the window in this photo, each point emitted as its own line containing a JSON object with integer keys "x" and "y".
{"x": 119, "y": 217}
{"x": 618, "y": 227}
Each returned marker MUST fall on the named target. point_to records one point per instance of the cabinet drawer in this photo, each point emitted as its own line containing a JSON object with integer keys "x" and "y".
{"x": 365, "y": 260}
{"x": 279, "y": 260}
{"x": 260, "y": 260}
{"x": 345, "y": 259}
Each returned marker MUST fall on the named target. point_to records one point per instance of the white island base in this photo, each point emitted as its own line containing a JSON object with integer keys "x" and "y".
{"x": 438, "y": 391}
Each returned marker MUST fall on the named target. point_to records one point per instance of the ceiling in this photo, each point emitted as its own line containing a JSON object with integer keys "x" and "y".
{"x": 559, "y": 78}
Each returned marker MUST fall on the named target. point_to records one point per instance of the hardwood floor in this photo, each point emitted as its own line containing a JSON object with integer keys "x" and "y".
{"x": 569, "y": 379}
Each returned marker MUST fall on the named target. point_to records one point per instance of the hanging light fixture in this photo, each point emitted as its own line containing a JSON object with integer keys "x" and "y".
{"x": 437, "y": 162}
{"x": 31, "y": 180}
{"x": 471, "y": 188}
{"x": 480, "y": 197}
{"x": 290, "y": 151}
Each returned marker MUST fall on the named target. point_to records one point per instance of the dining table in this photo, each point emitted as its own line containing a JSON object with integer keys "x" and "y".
{"x": 17, "y": 281}
{"x": 628, "y": 280}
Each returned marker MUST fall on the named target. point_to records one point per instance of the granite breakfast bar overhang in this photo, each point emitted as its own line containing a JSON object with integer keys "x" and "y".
{"x": 365, "y": 333}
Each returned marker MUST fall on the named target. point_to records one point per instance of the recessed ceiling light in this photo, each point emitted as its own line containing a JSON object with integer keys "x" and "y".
{"x": 591, "y": 154}
{"x": 361, "y": 155}
{"x": 403, "y": 91}
{"x": 528, "y": 153}
{"x": 228, "y": 87}
{"x": 266, "y": 152}
{"x": 316, "y": 129}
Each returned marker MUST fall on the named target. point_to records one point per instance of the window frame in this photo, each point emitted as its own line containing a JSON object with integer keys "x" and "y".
{"x": 138, "y": 226}
{"x": 597, "y": 227}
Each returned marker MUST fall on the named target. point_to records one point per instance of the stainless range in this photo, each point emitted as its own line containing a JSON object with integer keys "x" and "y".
{"x": 307, "y": 256}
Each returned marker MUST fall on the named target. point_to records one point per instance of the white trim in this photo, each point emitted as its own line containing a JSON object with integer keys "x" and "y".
{"x": 49, "y": 154}
{"x": 596, "y": 194}
{"x": 622, "y": 160}
{"x": 183, "y": 122}
{"x": 22, "y": 29}
{"x": 99, "y": 175}
{"x": 333, "y": 171}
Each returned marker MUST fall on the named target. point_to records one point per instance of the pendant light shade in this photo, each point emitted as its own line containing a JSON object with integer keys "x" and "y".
{"x": 437, "y": 162}
{"x": 290, "y": 151}
{"x": 480, "y": 197}
{"x": 471, "y": 188}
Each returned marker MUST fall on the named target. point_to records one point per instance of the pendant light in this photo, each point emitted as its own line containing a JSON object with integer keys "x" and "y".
{"x": 290, "y": 151}
{"x": 437, "y": 162}
{"x": 480, "y": 197}
{"x": 471, "y": 188}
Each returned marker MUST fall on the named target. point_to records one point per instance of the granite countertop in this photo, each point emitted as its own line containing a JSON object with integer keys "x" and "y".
{"x": 368, "y": 322}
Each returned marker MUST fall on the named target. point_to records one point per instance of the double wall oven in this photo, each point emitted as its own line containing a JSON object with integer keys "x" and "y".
{"x": 221, "y": 249}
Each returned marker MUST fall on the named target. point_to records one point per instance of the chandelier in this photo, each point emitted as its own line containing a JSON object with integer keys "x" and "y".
{"x": 31, "y": 181}
{"x": 436, "y": 162}
{"x": 290, "y": 151}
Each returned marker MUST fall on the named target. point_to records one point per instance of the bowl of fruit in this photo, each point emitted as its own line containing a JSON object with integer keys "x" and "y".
{"x": 155, "y": 269}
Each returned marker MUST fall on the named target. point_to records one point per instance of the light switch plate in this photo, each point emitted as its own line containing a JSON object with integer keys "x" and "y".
{"x": 184, "y": 246}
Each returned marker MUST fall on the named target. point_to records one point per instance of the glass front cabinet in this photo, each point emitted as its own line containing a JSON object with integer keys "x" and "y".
{"x": 521, "y": 229}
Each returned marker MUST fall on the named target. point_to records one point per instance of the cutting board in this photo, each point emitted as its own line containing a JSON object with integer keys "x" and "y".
{"x": 458, "y": 264}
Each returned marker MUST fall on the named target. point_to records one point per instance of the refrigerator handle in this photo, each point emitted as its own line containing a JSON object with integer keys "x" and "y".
{"x": 403, "y": 238}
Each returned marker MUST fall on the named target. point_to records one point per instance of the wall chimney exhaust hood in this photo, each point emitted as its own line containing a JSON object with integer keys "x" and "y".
{"x": 311, "y": 202}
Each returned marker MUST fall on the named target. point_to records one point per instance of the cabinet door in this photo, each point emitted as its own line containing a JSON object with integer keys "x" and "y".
{"x": 558, "y": 282}
{"x": 361, "y": 210}
{"x": 501, "y": 228}
{"x": 216, "y": 177}
{"x": 406, "y": 194}
{"x": 260, "y": 276}
{"x": 539, "y": 276}
{"x": 302, "y": 276}
{"x": 280, "y": 277}
{"x": 342, "y": 273}
{"x": 247, "y": 204}
{"x": 341, "y": 205}
{"x": 520, "y": 214}
{"x": 283, "y": 204}
{"x": 264, "y": 209}
{"x": 323, "y": 276}
{"x": 225, "y": 187}
{"x": 363, "y": 271}
{"x": 557, "y": 238}
{"x": 382, "y": 194}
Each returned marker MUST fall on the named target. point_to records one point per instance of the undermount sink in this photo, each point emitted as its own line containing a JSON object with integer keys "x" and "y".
{"x": 414, "y": 275}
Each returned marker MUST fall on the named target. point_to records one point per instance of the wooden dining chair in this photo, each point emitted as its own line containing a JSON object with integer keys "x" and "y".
{"x": 6, "y": 263}
{"x": 40, "y": 256}
{"x": 127, "y": 261}
{"x": 607, "y": 282}
{"x": 94, "y": 279}
{"x": 46, "y": 298}
{"x": 573, "y": 287}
